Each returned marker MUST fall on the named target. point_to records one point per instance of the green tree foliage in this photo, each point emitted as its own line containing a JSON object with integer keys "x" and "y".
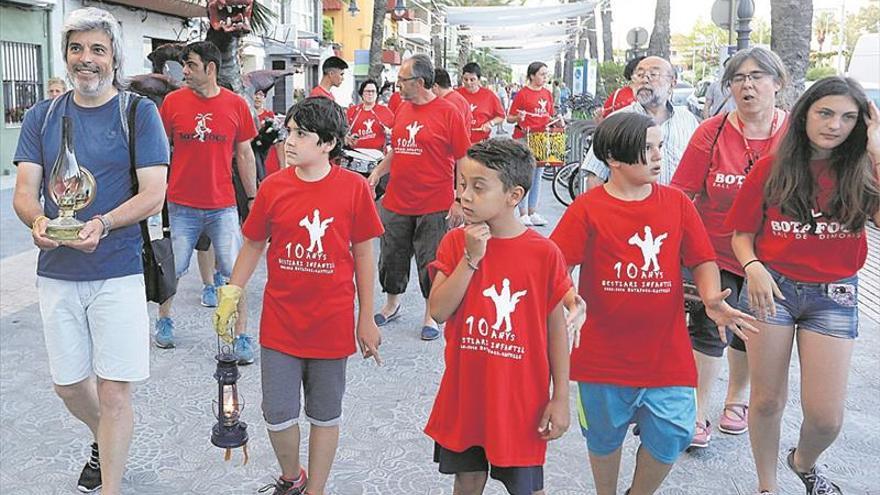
{"x": 610, "y": 78}
{"x": 866, "y": 20}
{"x": 327, "y": 25}
{"x": 816, "y": 73}
{"x": 493, "y": 69}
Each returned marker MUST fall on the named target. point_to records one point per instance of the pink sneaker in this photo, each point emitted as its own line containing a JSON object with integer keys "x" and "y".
{"x": 734, "y": 419}
{"x": 702, "y": 435}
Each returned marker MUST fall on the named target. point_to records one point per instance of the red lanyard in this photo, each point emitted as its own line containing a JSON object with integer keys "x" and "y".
{"x": 752, "y": 155}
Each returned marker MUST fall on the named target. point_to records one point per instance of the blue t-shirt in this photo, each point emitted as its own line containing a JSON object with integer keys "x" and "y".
{"x": 101, "y": 146}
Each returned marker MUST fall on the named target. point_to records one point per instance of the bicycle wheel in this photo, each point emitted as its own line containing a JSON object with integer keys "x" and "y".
{"x": 576, "y": 183}
{"x": 561, "y": 183}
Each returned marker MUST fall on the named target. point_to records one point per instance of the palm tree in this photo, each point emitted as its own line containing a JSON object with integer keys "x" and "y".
{"x": 790, "y": 22}
{"x": 377, "y": 37}
{"x": 659, "y": 43}
{"x": 590, "y": 37}
{"x": 607, "y": 52}
{"x": 824, "y": 25}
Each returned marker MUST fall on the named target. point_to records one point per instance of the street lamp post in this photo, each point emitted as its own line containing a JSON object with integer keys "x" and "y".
{"x": 744, "y": 12}
{"x": 353, "y": 8}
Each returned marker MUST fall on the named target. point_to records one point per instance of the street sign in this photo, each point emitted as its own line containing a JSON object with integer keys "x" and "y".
{"x": 637, "y": 37}
{"x": 721, "y": 13}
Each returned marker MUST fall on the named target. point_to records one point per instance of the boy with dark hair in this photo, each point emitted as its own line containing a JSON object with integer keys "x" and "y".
{"x": 332, "y": 75}
{"x": 631, "y": 238}
{"x": 319, "y": 242}
{"x": 504, "y": 326}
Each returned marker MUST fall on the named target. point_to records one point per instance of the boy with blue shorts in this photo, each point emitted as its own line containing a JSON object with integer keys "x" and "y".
{"x": 499, "y": 286}
{"x": 322, "y": 221}
{"x": 633, "y": 361}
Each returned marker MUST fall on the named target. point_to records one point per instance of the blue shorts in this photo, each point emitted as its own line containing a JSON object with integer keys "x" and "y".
{"x": 220, "y": 225}
{"x": 665, "y": 415}
{"x": 829, "y": 309}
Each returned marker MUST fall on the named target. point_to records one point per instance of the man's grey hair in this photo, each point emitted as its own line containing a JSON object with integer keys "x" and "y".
{"x": 423, "y": 67}
{"x": 767, "y": 60}
{"x": 91, "y": 19}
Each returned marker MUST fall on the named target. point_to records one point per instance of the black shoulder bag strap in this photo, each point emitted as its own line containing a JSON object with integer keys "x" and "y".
{"x": 717, "y": 135}
{"x": 145, "y": 230}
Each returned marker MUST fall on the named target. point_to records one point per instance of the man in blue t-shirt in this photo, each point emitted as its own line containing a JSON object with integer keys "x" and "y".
{"x": 91, "y": 290}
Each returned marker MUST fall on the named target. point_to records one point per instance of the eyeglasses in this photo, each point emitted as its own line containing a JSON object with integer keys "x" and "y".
{"x": 754, "y": 76}
{"x": 654, "y": 74}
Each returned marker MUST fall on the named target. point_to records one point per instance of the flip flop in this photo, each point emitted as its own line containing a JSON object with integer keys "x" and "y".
{"x": 382, "y": 320}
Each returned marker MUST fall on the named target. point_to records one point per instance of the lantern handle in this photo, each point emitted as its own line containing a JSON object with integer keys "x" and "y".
{"x": 231, "y": 329}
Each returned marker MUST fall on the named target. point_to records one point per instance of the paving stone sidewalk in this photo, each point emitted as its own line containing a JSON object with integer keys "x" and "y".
{"x": 382, "y": 449}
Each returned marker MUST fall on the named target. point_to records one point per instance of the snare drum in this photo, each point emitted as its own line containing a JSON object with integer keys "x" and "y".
{"x": 361, "y": 160}
{"x": 548, "y": 147}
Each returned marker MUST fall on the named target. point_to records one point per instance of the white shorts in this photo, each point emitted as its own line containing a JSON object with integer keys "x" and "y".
{"x": 99, "y": 326}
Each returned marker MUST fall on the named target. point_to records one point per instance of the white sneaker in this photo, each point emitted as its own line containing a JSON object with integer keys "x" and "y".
{"x": 538, "y": 220}
{"x": 526, "y": 220}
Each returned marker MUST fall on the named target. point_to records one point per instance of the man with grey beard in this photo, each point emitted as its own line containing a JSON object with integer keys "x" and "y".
{"x": 91, "y": 289}
{"x": 654, "y": 79}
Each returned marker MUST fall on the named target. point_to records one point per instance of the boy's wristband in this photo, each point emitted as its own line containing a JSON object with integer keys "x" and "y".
{"x": 756, "y": 260}
{"x": 469, "y": 261}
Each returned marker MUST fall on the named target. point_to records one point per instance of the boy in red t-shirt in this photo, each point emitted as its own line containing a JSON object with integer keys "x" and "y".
{"x": 499, "y": 286}
{"x": 634, "y": 365}
{"x": 322, "y": 222}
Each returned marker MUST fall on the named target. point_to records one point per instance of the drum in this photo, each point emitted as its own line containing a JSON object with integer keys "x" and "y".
{"x": 548, "y": 147}
{"x": 361, "y": 160}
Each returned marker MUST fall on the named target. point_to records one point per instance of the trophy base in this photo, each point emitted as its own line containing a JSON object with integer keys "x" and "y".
{"x": 64, "y": 229}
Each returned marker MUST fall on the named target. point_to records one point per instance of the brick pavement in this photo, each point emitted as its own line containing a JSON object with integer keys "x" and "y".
{"x": 382, "y": 449}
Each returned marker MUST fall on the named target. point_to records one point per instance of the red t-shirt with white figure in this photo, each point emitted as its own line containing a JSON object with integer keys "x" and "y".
{"x": 427, "y": 139}
{"x": 497, "y": 379}
{"x": 320, "y": 91}
{"x": 204, "y": 132}
{"x": 631, "y": 254}
{"x": 308, "y": 303}
{"x": 538, "y": 105}
{"x": 821, "y": 254}
{"x": 368, "y": 126}
{"x": 485, "y": 106}
{"x": 716, "y": 174}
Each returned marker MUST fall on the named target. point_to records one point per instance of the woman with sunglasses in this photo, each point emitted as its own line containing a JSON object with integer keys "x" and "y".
{"x": 714, "y": 165}
{"x": 799, "y": 235}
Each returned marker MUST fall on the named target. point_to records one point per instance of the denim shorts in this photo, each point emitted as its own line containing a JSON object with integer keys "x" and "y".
{"x": 665, "y": 415}
{"x": 220, "y": 225}
{"x": 826, "y": 308}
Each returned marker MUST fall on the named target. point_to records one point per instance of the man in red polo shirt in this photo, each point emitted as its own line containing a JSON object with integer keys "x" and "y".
{"x": 332, "y": 75}
{"x": 429, "y": 137}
